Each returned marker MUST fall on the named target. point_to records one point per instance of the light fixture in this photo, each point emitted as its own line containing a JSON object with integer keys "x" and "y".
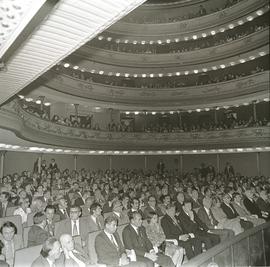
{"x": 222, "y": 66}
{"x": 178, "y": 73}
{"x": 127, "y": 112}
{"x": 47, "y": 104}
{"x": 232, "y": 63}
{"x": 262, "y": 53}
{"x": 126, "y": 75}
{"x": 109, "y": 39}
{"x": 214, "y": 67}
{"x": 189, "y": 111}
{"x": 259, "y": 12}
{"x": 186, "y": 38}
{"x": 142, "y": 42}
{"x": 135, "y": 75}
{"x": 97, "y": 108}
{"x": 100, "y": 37}
{"x": 136, "y": 112}
{"x": 245, "y": 104}
{"x": 75, "y": 67}
{"x": 207, "y": 109}
{"x": 176, "y": 40}
{"x": 231, "y": 26}
{"x": 134, "y": 42}
{"x": 204, "y": 34}
{"x": 186, "y": 72}
{"x": 38, "y": 101}
{"x": 195, "y": 71}
{"x": 252, "y": 57}
{"x": 266, "y": 99}
{"x": 100, "y": 152}
{"x": 28, "y": 99}
{"x": 21, "y": 96}
{"x": 117, "y": 74}
{"x": 242, "y": 60}
{"x": 194, "y": 37}
{"x": 169, "y": 74}
{"x": 171, "y": 112}
{"x": 151, "y": 42}
{"x": 222, "y": 29}
{"x": 66, "y": 65}
{"x": 217, "y": 108}
{"x": 117, "y": 41}
{"x": 198, "y": 110}
{"x": 160, "y": 75}
{"x": 159, "y": 42}
{"x": 93, "y": 71}
{"x": 144, "y": 75}
{"x": 154, "y": 113}
{"x": 82, "y": 70}
{"x": 204, "y": 69}
{"x": 249, "y": 18}
{"x": 126, "y": 41}
{"x": 168, "y": 41}
{"x": 240, "y": 22}
{"x": 213, "y": 32}
{"x": 110, "y": 73}
{"x": 101, "y": 72}
{"x": 151, "y": 75}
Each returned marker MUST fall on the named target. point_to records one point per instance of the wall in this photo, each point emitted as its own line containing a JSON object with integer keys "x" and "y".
{"x": 244, "y": 163}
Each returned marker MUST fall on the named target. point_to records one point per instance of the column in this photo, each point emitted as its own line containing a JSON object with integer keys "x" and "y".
{"x": 2, "y": 163}
{"x": 39, "y": 162}
{"x": 254, "y": 111}
{"x": 145, "y": 162}
{"x": 180, "y": 119}
{"x": 218, "y": 163}
{"x": 42, "y": 102}
{"x": 76, "y": 106}
{"x": 215, "y": 116}
{"x": 258, "y": 163}
{"x": 75, "y": 157}
{"x": 181, "y": 164}
{"x": 110, "y": 163}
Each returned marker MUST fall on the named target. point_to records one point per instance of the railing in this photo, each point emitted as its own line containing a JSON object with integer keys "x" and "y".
{"x": 251, "y": 248}
{"x": 33, "y": 128}
{"x": 212, "y": 53}
{"x": 154, "y": 31}
{"x": 165, "y": 97}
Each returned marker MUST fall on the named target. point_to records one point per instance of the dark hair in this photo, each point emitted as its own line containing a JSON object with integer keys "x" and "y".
{"x": 94, "y": 206}
{"x": 39, "y": 217}
{"x": 235, "y": 194}
{"x": 152, "y": 197}
{"x": 75, "y": 207}
{"x": 132, "y": 215}
{"x": 9, "y": 225}
{"x": 49, "y": 207}
{"x": 150, "y": 215}
{"x": 47, "y": 246}
{"x": 7, "y": 194}
{"x": 110, "y": 219}
{"x": 132, "y": 200}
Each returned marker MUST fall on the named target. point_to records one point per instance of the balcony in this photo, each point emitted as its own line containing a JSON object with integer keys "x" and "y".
{"x": 32, "y": 128}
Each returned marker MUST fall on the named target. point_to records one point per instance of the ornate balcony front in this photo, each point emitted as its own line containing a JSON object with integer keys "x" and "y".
{"x": 32, "y": 128}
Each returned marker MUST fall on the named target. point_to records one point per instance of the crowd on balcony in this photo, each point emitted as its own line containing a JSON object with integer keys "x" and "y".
{"x": 239, "y": 32}
{"x": 198, "y": 12}
{"x": 209, "y": 77}
{"x": 61, "y": 208}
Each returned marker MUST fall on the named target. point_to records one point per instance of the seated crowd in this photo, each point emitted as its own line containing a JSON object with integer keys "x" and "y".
{"x": 219, "y": 38}
{"x": 165, "y": 218}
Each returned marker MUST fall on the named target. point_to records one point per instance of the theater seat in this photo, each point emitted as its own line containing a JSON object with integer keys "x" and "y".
{"x": 16, "y": 219}
{"x": 30, "y": 220}
{"x": 25, "y": 257}
{"x": 91, "y": 246}
{"x": 25, "y": 235}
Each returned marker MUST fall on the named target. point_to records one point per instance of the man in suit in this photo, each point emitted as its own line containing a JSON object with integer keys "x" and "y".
{"x": 134, "y": 237}
{"x": 231, "y": 213}
{"x": 173, "y": 230}
{"x": 252, "y": 207}
{"x": 49, "y": 253}
{"x": 37, "y": 233}
{"x": 51, "y": 219}
{"x": 62, "y": 208}
{"x": 263, "y": 201}
{"x": 135, "y": 206}
{"x": 81, "y": 198}
{"x": 4, "y": 203}
{"x": 152, "y": 206}
{"x": 206, "y": 216}
{"x": 95, "y": 220}
{"x": 117, "y": 211}
{"x": 191, "y": 223}
{"x": 73, "y": 255}
{"x": 11, "y": 241}
{"x": 86, "y": 207}
{"x": 109, "y": 247}
{"x": 75, "y": 225}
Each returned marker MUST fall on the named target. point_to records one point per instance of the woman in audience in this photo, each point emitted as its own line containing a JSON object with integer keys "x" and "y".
{"x": 11, "y": 241}
{"x": 223, "y": 222}
{"x": 157, "y": 237}
{"x": 23, "y": 210}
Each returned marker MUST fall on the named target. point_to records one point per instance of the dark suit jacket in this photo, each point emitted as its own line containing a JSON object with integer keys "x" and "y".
{"x": 202, "y": 214}
{"x": 37, "y": 236}
{"x": 93, "y": 226}
{"x": 107, "y": 253}
{"x": 64, "y": 227}
{"x": 263, "y": 205}
{"x": 140, "y": 243}
{"x": 252, "y": 207}
{"x": 9, "y": 204}
{"x": 150, "y": 209}
{"x": 170, "y": 228}
{"x": 61, "y": 215}
{"x": 230, "y": 213}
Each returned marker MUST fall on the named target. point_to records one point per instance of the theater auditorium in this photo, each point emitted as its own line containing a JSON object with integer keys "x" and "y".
{"x": 134, "y": 133}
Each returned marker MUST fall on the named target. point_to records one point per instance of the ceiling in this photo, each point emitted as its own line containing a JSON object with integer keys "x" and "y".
{"x": 48, "y": 32}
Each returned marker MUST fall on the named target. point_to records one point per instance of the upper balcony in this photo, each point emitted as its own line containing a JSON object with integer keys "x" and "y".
{"x": 30, "y": 127}
{"x": 197, "y": 56}
{"x": 179, "y": 29}
{"x": 249, "y": 86}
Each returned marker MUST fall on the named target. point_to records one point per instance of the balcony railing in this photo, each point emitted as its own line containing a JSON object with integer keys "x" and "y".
{"x": 30, "y": 127}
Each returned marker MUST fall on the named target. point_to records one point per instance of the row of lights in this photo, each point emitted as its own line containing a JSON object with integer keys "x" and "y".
{"x": 230, "y": 26}
{"x": 37, "y": 101}
{"x": 195, "y": 110}
{"x": 10, "y": 147}
{"x": 160, "y": 75}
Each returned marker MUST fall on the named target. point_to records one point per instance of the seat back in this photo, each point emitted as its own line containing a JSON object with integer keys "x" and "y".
{"x": 25, "y": 257}
{"x": 16, "y": 219}
{"x": 30, "y": 219}
{"x": 120, "y": 229}
{"x": 25, "y": 235}
{"x": 10, "y": 210}
{"x": 91, "y": 246}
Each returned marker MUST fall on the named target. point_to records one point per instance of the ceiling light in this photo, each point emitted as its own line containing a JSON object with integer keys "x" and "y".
{"x": 222, "y": 29}
{"x": 28, "y": 99}
{"x": 240, "y": 22}
{"x": 126, "y": 74}
{"x": 38, "y": 101}
{"x": 194, "y": 151}
{"x": 100, "y": 152}
{"x": 109, "y": 39}
{"x": 214, "y": 68}
{"x": 217, "y": 108}
{"x": 136, "y": 112}
{"x": 100, "y": 37}
{"x": 186, "y": 72}
{"x": 231, "y": 26}
{"x": 93, "y": 71}
{"x": 47, "y": 104}
{"x": 127, "y": 112}
{"x": 178, "y": 73}
{"x": 75, "y": 67}
{"x": 220, "y": 150}
{"x": 151, "y": 42}
{"x": 171, "y": 112}
{"x": 259, "y": 12}
{"x": 252, "y": 57}
{"x": 154, "y": 113}
{"x": 160, "y": 75}
{"x": 101, "y": 72}
{"x": 142, "y": 42}
{"x": 117, "y": 41}
{"x": 125, "y": 152}
{"x": 195, "y": 71}
{"x": 168, "y": 41}
{"x": 21, "y": 96}
{"x": 159, "y": 42}
{"x": 240, "y": 149}
{"x": 249, "y": 18}
{"x": 242, "y": 60}
{"x": 143, "y": 75}
{"x": 117, "y": 74}
{"x": 222, "y": 66}
{"x": 186, "y": 38}
{"x": 91, "y": 151}
{"x": 232, "y": 63}
{"x": 226, "y": 107}
{"x": 151, "y": 75}
{"x": 266, "y": 99}
{"x": 82, "y": 70}
{"x": 213, "y": 32}
{"x": 126, "y": 41}
{"x": 176, "y": 40}
{"x": 245, "y": 104}
{"x": 207, "y": 109}
{"x": 135, "y": 75}
{"x": 66, "y": 65}
{"x": 198, "y": 110}
{"x": 134, "y": 42}
{"x": 97, "y": 108}
{"x": 194, "y": 37}
{"x": 204, "y": 34}
{"x": 189, "y": 111}
{"x": 204, "y": 69}
{"x": 262, "y": 53}
{"x": 116, "y": 152}
{"x": 169, "y": 74}
{"x": 110, "y": 73}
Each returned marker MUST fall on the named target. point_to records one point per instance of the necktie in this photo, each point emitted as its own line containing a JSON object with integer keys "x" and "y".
{"x": 75, "y": 229}
{"x": 98, "y": 224}
{"x": 113, "y": 241}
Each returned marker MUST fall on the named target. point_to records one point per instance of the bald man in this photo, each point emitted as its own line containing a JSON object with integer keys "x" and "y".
{"x": 74, "y": 254}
